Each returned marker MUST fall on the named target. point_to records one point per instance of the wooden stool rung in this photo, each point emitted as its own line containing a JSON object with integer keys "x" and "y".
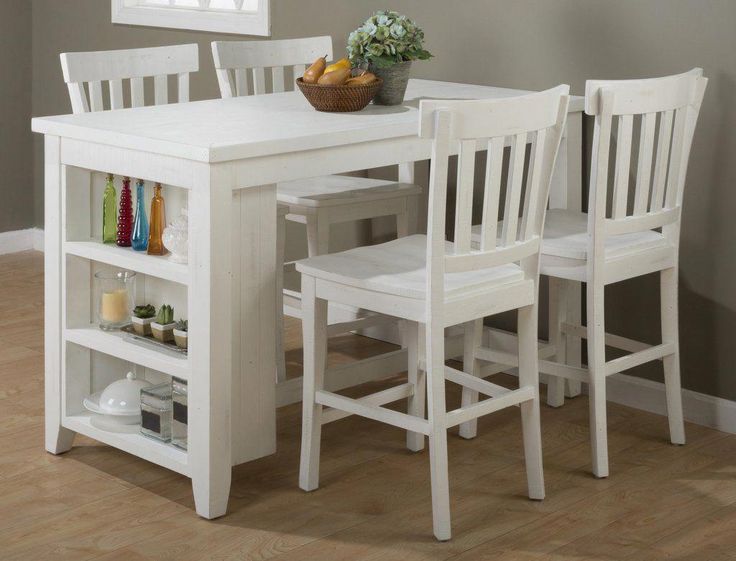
{"x": 377, "y": 413}
{"x": 491, "y": 405}
{"x": 376, "y": 399}
{"x": 635, "y": 359}
{"x": 474, "y": 383}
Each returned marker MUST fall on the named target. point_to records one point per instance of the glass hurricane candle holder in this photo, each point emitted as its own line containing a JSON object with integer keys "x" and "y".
{"x": 115, "y": 297}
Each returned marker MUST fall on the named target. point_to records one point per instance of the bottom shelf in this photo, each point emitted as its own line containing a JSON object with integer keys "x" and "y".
{"x": 149, "y": 449}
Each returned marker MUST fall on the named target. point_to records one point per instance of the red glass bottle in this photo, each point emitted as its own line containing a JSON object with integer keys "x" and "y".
{"x": 125, "y": 215}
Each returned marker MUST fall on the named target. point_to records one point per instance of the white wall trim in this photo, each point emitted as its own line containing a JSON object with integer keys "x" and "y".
{"x": 21, "y": 240}
{"x": 698, "y": 408}
{"x": 637, "y": 393}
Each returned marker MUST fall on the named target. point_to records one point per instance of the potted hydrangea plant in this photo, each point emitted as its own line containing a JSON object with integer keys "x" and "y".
{"x": 387, "y": 43}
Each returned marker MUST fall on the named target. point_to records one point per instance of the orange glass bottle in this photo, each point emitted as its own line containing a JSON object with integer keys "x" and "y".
{"x": 158, "y": 223}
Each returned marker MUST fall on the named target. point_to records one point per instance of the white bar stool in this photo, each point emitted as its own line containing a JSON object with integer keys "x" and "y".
{"x": 318, "y": 202}
{"x": 430, "y": 282}
{"x": 637, "y": 233}
{"x": 632, "y": 228}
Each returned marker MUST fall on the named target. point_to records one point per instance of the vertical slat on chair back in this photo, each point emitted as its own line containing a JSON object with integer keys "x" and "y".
{"x": 658, "y": 115}
{"x": 239, "y": 63}
{"x": 468, "y": 126}
{"x": 112, "y": 69}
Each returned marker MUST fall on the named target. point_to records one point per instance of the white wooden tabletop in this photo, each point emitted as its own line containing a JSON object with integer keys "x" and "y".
{"x": 230, "y": 129}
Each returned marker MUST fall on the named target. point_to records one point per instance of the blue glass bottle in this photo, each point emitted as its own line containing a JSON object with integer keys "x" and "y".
{"x": 140, "y": 227}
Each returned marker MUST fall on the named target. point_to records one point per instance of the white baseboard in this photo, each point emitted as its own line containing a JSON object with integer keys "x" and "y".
{"x": 21, "y": 240}
{"x": 645, "y": 395}
{"x": 698, "y": 408}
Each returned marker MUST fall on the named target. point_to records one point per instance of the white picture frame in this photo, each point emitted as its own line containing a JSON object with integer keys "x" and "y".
{"x": 199, "y": 18}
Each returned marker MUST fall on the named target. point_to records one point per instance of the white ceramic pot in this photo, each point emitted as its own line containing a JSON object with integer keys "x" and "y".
{"x": 181, "y": 338}
{"x": 142, "y": 326}
{"x": 164, "y": 332}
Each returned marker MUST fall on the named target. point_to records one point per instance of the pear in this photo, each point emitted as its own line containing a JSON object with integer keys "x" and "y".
{"x": 361, "y": 80}
{"x": 342, "y": 63}
{"x": 315, "y": 71}
{"x": 334, "y": 78}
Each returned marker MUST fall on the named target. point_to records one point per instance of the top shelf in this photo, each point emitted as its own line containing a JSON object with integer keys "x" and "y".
{"x": 126, "y": 258}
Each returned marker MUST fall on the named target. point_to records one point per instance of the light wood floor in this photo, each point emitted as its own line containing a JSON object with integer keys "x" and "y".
{"x": 661, "y": 502}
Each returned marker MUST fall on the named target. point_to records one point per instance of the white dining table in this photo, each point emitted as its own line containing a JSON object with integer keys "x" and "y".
{"x": 227, "y": 154}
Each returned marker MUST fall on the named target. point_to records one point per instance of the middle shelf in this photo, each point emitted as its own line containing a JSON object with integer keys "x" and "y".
{"x": 113, "y": 343}
{"x": 126, "y": 258}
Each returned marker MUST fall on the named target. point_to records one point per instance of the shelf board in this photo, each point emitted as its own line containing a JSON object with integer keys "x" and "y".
{"x": 149, "y": 449}
{"x": 114, "y": 344}
{"x": 126, "y": 258}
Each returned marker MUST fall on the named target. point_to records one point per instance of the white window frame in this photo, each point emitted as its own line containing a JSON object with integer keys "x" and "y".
{"x": 247, "y": 23}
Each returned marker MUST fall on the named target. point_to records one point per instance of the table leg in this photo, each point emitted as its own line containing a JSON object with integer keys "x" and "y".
{"x": 253, "y": 400}
{"x": 210, "y": 341}
{"x": 58, "y": 439}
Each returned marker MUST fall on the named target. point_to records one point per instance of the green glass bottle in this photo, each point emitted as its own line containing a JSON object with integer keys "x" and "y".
{"x": 109, "y": 212}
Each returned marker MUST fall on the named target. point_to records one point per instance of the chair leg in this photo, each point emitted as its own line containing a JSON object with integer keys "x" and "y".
{"x": 530, "y": 417}
{"x": 402, "y": 225}
{"x": 415, "y": 404}
{"x": 280, "y": 252}
{"x": 471, "y": 342}
{"x": 670, "y": 334}
{"x": 435, "y": 359}
{"x": 557, "y": 313}
{"x": 597, "y": 382}
{"x": 573, "y": 356}
{"x": 314, "y": 325}
{"x": 318, "y": 235}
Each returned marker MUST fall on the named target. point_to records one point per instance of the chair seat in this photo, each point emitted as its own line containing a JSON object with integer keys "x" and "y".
{"x": 399, "y": 268}
{"x": 333, "y": 190}
{"x": 566, "y": 235}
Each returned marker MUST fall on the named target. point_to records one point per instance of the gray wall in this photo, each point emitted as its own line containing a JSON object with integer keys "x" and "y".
{"x": 529, "y": 44}
{"x": 16, "y": 157}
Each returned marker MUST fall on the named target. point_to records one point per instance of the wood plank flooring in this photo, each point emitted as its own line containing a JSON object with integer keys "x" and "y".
{"x": 661, "y": 501}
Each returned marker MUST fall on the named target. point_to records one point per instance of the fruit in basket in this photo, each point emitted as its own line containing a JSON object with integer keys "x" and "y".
{"x": 315, "y": 71}
{"x": 361, "y": 80}
{"x": 334, "y": 78}
{"x": 342, "y": 63}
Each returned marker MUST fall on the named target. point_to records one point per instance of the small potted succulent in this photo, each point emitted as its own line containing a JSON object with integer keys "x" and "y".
{"x": 387, "y": 43}
{"x": 181, "y": 333}
{"x": 163, "y": 327}
{"x": 142, "y": 319}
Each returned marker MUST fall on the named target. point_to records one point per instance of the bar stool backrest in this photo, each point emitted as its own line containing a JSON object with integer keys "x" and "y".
{"x": 114, "y": 67}
{"x": 655, "y": 119}
{"x": 242, "y": 66}
{"x": 465, "y": 127}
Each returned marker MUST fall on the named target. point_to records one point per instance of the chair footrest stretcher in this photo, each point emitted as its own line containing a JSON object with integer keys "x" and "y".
{"x": 641, "y": 353}
{"x": 474, "y": 383}
{"x": 370, "y": 406}
{"x": 367, "y": 407}
{"x": 513, "y": 397}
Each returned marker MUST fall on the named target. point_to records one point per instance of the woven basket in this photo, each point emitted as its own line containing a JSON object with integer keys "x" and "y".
{"x": 340, "y": 99}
